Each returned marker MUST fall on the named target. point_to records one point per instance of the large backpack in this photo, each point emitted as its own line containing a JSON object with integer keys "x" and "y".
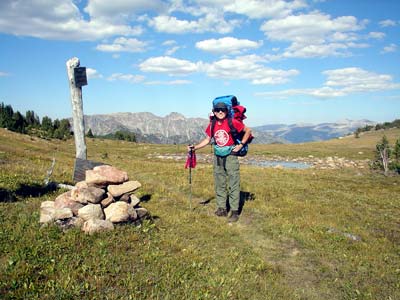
{"x": 235, "y": 111}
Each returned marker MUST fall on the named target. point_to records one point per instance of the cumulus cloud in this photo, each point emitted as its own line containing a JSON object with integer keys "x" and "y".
{"x": 387, "y": 23}
{"x": 315, "y": 34}
{"x": 171, "y": 82}
{"x": 117, "y": 9}
{"x": 92, "y": 73}
{"x": 209, "y": 23}
{"x": 168, "y": 65}
{"x": 245, "y": 68}
{"x": 256, "y": 9}
{"x": 376, "y": 35}
{"x": 391, "y": 48}
{"x": 227, "y": 45}
{"x": 57, "y": 19}
{"x": 123, "y": 44}
{"x": 343, "y": 82}
{"x": 242, "y": 68}
{"x": 131, "y": 78}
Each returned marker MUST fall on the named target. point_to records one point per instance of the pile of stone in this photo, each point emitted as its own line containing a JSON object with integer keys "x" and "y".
{"x": 106, "y": 197}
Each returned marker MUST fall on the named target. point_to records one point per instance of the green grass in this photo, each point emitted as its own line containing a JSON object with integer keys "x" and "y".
{"x": 290, "y": 241}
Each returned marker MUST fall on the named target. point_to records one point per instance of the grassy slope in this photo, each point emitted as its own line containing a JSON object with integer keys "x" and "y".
{"x": 290, "y": 242}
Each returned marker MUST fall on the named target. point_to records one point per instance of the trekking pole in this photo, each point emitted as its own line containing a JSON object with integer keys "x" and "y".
{"x": 190, "y": 179}
{"x": 190, "y": 163}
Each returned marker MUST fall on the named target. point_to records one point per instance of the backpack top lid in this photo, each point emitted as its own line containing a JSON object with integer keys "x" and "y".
{"x": 230, "y": 101}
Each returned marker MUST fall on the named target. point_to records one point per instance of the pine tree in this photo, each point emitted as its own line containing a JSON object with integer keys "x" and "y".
{"x": 90, "y": 133}
{"x": 383, "y": 154}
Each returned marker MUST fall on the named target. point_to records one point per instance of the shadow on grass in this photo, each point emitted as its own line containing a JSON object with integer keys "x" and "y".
{"x": 244, "y": 196}
{"x": 145, "y": 198}
{"x": 24, "y": 191}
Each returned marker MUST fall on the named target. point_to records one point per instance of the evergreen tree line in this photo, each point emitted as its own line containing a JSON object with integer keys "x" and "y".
{"x": 31, "y": 124}
{"x": 379, "y": 126}
{"x": 118, "y": 135}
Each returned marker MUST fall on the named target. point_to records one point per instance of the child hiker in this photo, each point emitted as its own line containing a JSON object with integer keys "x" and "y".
{"x": 226, "y": 163}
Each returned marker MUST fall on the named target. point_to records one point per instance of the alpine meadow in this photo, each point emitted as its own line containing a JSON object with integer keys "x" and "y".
{"x": 315, "y": 233}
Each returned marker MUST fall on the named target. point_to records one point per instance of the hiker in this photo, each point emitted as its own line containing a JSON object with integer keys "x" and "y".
{"x": 226, "y": 163}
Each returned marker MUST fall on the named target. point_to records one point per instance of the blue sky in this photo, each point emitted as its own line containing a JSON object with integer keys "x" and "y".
{"x": 287, "y": 61}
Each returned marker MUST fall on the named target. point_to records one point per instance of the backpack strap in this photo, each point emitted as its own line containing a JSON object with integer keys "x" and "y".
{"x": 213, "y": 121}
{"x": 233, "y": 130}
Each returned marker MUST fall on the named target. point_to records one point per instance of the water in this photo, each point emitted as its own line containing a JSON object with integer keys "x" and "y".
{"x": 284, "y": 164}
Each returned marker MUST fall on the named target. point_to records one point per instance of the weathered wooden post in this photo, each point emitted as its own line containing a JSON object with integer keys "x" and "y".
{"x": 75, "y": 87}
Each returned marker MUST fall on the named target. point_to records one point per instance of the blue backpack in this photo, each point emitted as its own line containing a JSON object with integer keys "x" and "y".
{"x": 231, "y": 102}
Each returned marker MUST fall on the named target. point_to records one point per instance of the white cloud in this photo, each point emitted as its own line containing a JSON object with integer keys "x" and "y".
{"x": 122, "y": 9}
{"x": 212, "y": 22}
{"x": 126, "y": 77}
{"x": 92, "y": 73}
{"x": 57, "y": 19}
{"x": 168, "y": 65}
{"x": 227, "y": 45}
{"x": 243, "y": 68}
{"x": 391, "y": 48}
{"x": 169, "y": 43}
{"x": 123, "y": 44}
{"x": 172, "y": 50}
{"x": 387, "y": 23}
{"x": 376, "y": 35}
{"x": 256, "y": 9}
{"x": 4, "y": 74}
{"x": 343, "y": 82}
{"x": 315, "y": 34}
{"x": 171, "y": 82}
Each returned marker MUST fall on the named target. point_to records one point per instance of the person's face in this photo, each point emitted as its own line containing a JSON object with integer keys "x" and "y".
{"x": 220, "y": 113}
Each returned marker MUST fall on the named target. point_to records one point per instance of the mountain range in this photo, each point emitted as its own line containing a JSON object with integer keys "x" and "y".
{"x": 176, "y": 128}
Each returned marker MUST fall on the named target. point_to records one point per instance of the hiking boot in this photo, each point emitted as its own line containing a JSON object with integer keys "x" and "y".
{"x": 221, "y": 212}
{"x": 234, "y": 216}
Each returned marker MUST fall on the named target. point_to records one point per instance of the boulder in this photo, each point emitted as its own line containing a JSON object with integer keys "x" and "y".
{"x": 126, "y": 187}
{"x": 91, "y": 211}
{"x": 91, "y": 226}
{"x": 107, "y": 201}
{"x": 141, "y": 212}
{"x": 63, "y": 213}
{"x": 104, "y": 175}
{"x": 69, "y": 223}
{"x": 119, "y": 212}
{"x": 134, "y": 200}
{"x": 85, "y": 195}
{"x": 47, "y": 213}
{"x": 65, "y": 201}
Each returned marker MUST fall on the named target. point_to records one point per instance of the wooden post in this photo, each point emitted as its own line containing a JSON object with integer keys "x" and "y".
{"x": 77, "y": 109}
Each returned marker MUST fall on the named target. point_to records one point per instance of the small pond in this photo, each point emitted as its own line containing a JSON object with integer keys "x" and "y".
{"x": 284, "y": 164}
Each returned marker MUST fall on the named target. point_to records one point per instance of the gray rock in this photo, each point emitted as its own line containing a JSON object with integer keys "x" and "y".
{"x": 91, "y": 211}
{"x": 134, "y": 200}
{"x": 126, "y": 187}
{"x": 91, "y": 226}
{"x": 63, "y": 213}
{"x": 119, "y": 212}
{"x": 104, "y": 174}
{"x": 84, "y": 195}
{"x": 65, "y": 201}
{"x": 107, "y": 201}
{"x": 141, "y": 212}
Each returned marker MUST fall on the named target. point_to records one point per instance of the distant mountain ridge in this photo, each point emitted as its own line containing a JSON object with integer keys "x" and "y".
{"x": 176, "y": 128}
{"x": 300, "y": 133}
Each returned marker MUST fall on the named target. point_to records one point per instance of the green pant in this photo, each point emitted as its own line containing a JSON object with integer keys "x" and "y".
{"x": 227, "y": 181}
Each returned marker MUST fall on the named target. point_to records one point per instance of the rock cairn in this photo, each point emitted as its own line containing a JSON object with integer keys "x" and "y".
{"x": 106, "y": 197}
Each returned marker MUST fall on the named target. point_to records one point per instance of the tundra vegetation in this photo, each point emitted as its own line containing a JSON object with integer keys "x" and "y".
{"x": 302, "y": 234}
